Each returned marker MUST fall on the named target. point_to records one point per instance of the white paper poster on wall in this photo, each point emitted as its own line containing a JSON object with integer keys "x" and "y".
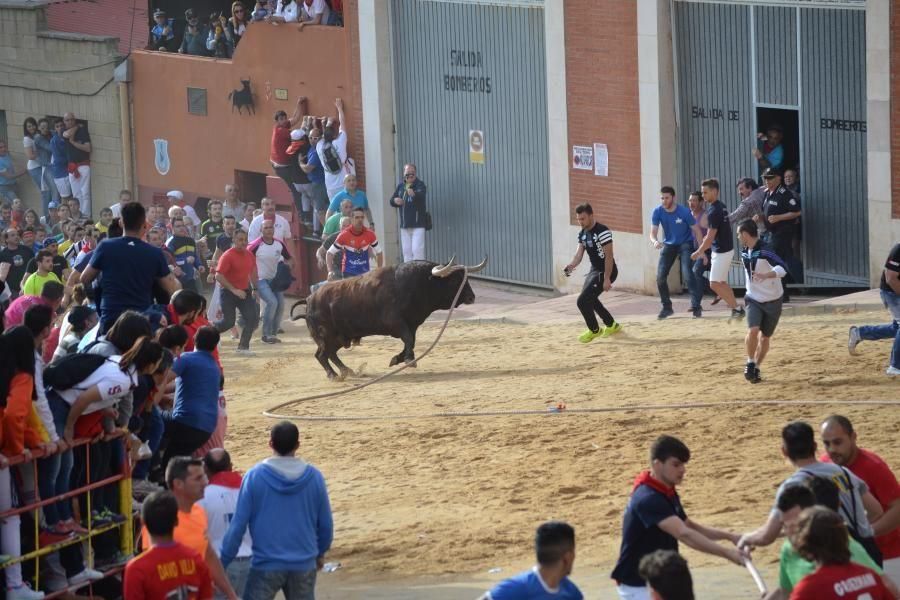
{"x": 601, "y": 160}
{"x": 582, "y": 158}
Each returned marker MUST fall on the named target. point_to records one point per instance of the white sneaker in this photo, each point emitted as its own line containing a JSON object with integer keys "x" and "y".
{"x": 23, "y": 593}
{"x": 853, "y": 340}
{"x": 84, "y": 578}
{"x": 892, "y": 372}
{"x": 245, "y": 352}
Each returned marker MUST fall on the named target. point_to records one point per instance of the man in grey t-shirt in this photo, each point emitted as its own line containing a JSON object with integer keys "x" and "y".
{"x": 859, "y": 508}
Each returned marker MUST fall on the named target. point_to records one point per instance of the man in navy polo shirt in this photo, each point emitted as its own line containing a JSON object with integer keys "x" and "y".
{"x": 681, "y": 230}
{"x": 720, "y": 238}
{"x": 655, "y": 520}
{"x": 129, "y": 266}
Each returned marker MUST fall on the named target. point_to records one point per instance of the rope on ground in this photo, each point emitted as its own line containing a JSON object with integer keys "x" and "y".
{"x": 272, "y": 412}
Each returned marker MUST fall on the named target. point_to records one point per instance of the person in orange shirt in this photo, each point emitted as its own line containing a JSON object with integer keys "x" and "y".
{"x": 186, "y": 479}
{"x": 169, "y": 568}
{"x": 17, "y": 434}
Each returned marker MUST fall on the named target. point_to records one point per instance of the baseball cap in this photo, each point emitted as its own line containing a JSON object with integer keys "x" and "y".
{"x": 175, "y": 194}
{"x": 297, "y": 136}
{"x": 50, "y": 241}
{"x": 53, "y": 204}
{"x": 159, "y": 13}
{"x": 771, "y": 172}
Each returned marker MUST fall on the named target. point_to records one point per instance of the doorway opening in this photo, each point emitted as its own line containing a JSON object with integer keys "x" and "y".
{"x": 252, "y": 185}
{"x": 789, "y": 122}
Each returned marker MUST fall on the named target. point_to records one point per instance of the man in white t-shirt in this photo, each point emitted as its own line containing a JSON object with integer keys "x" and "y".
{"x": 317, "y": 13}
{"x": 124, "y": 198}
{"x": 219, "y": 502}
{"x": 282, "y": 227}
{"x": 332, "y": 151}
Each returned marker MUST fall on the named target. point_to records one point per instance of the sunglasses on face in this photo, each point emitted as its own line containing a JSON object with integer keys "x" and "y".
{"x": 409, "y": 175}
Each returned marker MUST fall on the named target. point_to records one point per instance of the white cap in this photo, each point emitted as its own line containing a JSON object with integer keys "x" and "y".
{"x": 298, "y": 134}
{"x": 175, "y": 194}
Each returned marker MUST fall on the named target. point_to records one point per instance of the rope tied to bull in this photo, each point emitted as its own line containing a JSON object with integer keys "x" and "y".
{"x": 273, "y": 412}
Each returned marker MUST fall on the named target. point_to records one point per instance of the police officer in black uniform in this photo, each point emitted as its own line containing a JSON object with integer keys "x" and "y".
{"x": 781, "y": 209}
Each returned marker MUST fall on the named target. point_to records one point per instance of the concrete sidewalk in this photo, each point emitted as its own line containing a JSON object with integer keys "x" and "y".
{"x": 499, "y": 303}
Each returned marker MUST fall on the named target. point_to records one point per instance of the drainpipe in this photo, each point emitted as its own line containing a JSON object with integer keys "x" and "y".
{"x": 123, "y": 77}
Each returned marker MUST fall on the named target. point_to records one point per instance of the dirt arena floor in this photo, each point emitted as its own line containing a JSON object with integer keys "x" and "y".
{"x": 431, "y": 496}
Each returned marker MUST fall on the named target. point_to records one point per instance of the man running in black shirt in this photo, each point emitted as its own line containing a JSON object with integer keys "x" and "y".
{"x": 596, "y": 238}
{"x": 721, "y": 239}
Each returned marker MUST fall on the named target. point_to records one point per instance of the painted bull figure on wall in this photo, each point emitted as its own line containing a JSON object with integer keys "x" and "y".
{"x": 391, "y": 301}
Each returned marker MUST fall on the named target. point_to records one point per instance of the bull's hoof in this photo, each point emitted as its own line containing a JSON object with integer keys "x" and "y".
{"x": 395, "y": 361}
{"x": 412, "y": 364}
{"x": 345, "y": 373}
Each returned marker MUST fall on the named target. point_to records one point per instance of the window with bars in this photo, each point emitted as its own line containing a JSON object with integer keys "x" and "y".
{"x": 196, "y": 98}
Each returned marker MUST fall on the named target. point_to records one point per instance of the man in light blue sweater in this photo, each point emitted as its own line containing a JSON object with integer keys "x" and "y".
{"x": 284, "y": 501}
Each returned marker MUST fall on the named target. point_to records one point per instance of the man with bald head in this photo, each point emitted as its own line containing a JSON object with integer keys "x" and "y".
{"x": 219, "y": 502}
{"x": 78, "y": 152}
{"x": 839, "y": 439}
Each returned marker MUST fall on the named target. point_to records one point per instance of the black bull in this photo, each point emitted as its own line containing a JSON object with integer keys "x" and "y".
{"x": 391, "y": 301}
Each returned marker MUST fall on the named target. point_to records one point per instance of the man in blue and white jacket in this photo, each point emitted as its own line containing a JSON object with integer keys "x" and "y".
{"x": 284, "y": 501}
{"x": 764, "y": 271}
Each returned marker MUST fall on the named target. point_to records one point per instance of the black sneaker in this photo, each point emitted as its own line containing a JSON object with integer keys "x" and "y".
{"x": 738, "y": 313}
{"x": 751, "y": 373}
{"x": 665, "y": 313}
{"x": 268, "y": 340}
{"x": 697, "y": 312}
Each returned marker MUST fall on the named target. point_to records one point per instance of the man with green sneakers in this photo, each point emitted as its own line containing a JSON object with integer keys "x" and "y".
{"x": 596, "y": 239}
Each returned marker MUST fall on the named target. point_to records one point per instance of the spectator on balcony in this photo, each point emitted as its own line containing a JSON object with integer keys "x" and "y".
{"x": 162, "y": 34}
{"x": 237, "y": 24}
{"x": 219, "y": 41}
{"x": 316, "y": 12}
{"x": 260, "y": 11}
{"x": 286, "y": 11}
{"x": 78, "y": 151}
{"x": 8, "y": 174}
{"x": 195, "y": 35}
{"x": 59, "y": 162}
{"x": 35, "y": 166}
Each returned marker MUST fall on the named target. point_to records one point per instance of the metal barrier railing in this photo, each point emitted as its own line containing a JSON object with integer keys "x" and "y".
{"x": 127, "y": 542}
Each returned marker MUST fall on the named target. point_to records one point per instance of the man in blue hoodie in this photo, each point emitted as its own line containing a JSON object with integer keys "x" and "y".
{"x": 287, "y": 552}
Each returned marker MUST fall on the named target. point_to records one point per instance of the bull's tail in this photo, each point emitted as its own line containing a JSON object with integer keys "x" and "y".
{"x": 301, "y": 302}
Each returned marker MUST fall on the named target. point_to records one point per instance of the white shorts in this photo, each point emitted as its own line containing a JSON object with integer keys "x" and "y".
{"x": 721, "y": 264}
{"x": 63, "y": 186}
{"x": 628, "y": 592}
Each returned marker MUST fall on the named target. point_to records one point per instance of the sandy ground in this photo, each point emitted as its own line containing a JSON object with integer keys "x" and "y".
{"x": 457, "y": 496}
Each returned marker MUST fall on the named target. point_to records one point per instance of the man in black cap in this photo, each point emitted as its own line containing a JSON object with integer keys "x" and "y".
{"x": 781, "y": 209}
{"x": 162, "y": 34}
{"x": 195, "y": 34}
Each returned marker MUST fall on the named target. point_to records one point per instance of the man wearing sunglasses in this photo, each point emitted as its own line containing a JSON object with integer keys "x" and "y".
{"x": 409, "y": 197}
{"x": 195, "y": 35}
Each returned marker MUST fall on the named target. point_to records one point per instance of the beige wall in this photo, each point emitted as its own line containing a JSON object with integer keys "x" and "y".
{"x": 55, "y": 89}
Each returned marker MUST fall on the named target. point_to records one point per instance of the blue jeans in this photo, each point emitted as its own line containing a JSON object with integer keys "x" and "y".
{"x": 667, "y": 256}
{"x": 274, "y": 311}
{"x": 296, "y": 585}
{"x": 152, "y": 433}
{"x": 883, "y": 332}
{"x": 8, "y": 191}
{"x": 55, "y": 471}
{"x": 237, "y": 573}
{"x": 700, "y": 269}
{"x": 41, "y": 176}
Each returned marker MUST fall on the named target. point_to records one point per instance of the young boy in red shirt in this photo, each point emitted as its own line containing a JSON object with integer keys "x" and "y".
{"x": 168, "y": 569}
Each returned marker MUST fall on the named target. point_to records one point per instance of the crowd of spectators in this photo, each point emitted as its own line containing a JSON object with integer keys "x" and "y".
{"x": 219, "y": 34}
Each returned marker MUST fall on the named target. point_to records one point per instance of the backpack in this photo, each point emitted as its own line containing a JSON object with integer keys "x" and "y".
{"x": 71, "y": 370}
{"x": 331, "y": 160}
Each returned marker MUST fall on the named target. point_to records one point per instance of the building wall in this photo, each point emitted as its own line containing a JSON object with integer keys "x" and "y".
{"x": 49, "y": 73}
{"x": 603, "y": 107}
{"x": 124, "y": 19}
{"x": 895, "y": 107}
{"x": 321, "y": 63}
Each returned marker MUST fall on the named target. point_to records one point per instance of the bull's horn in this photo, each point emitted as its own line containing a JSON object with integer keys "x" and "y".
{"x": 452, "y": 260}
{"x": 443, "y": 270}
{"x": 479, "y": 267}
